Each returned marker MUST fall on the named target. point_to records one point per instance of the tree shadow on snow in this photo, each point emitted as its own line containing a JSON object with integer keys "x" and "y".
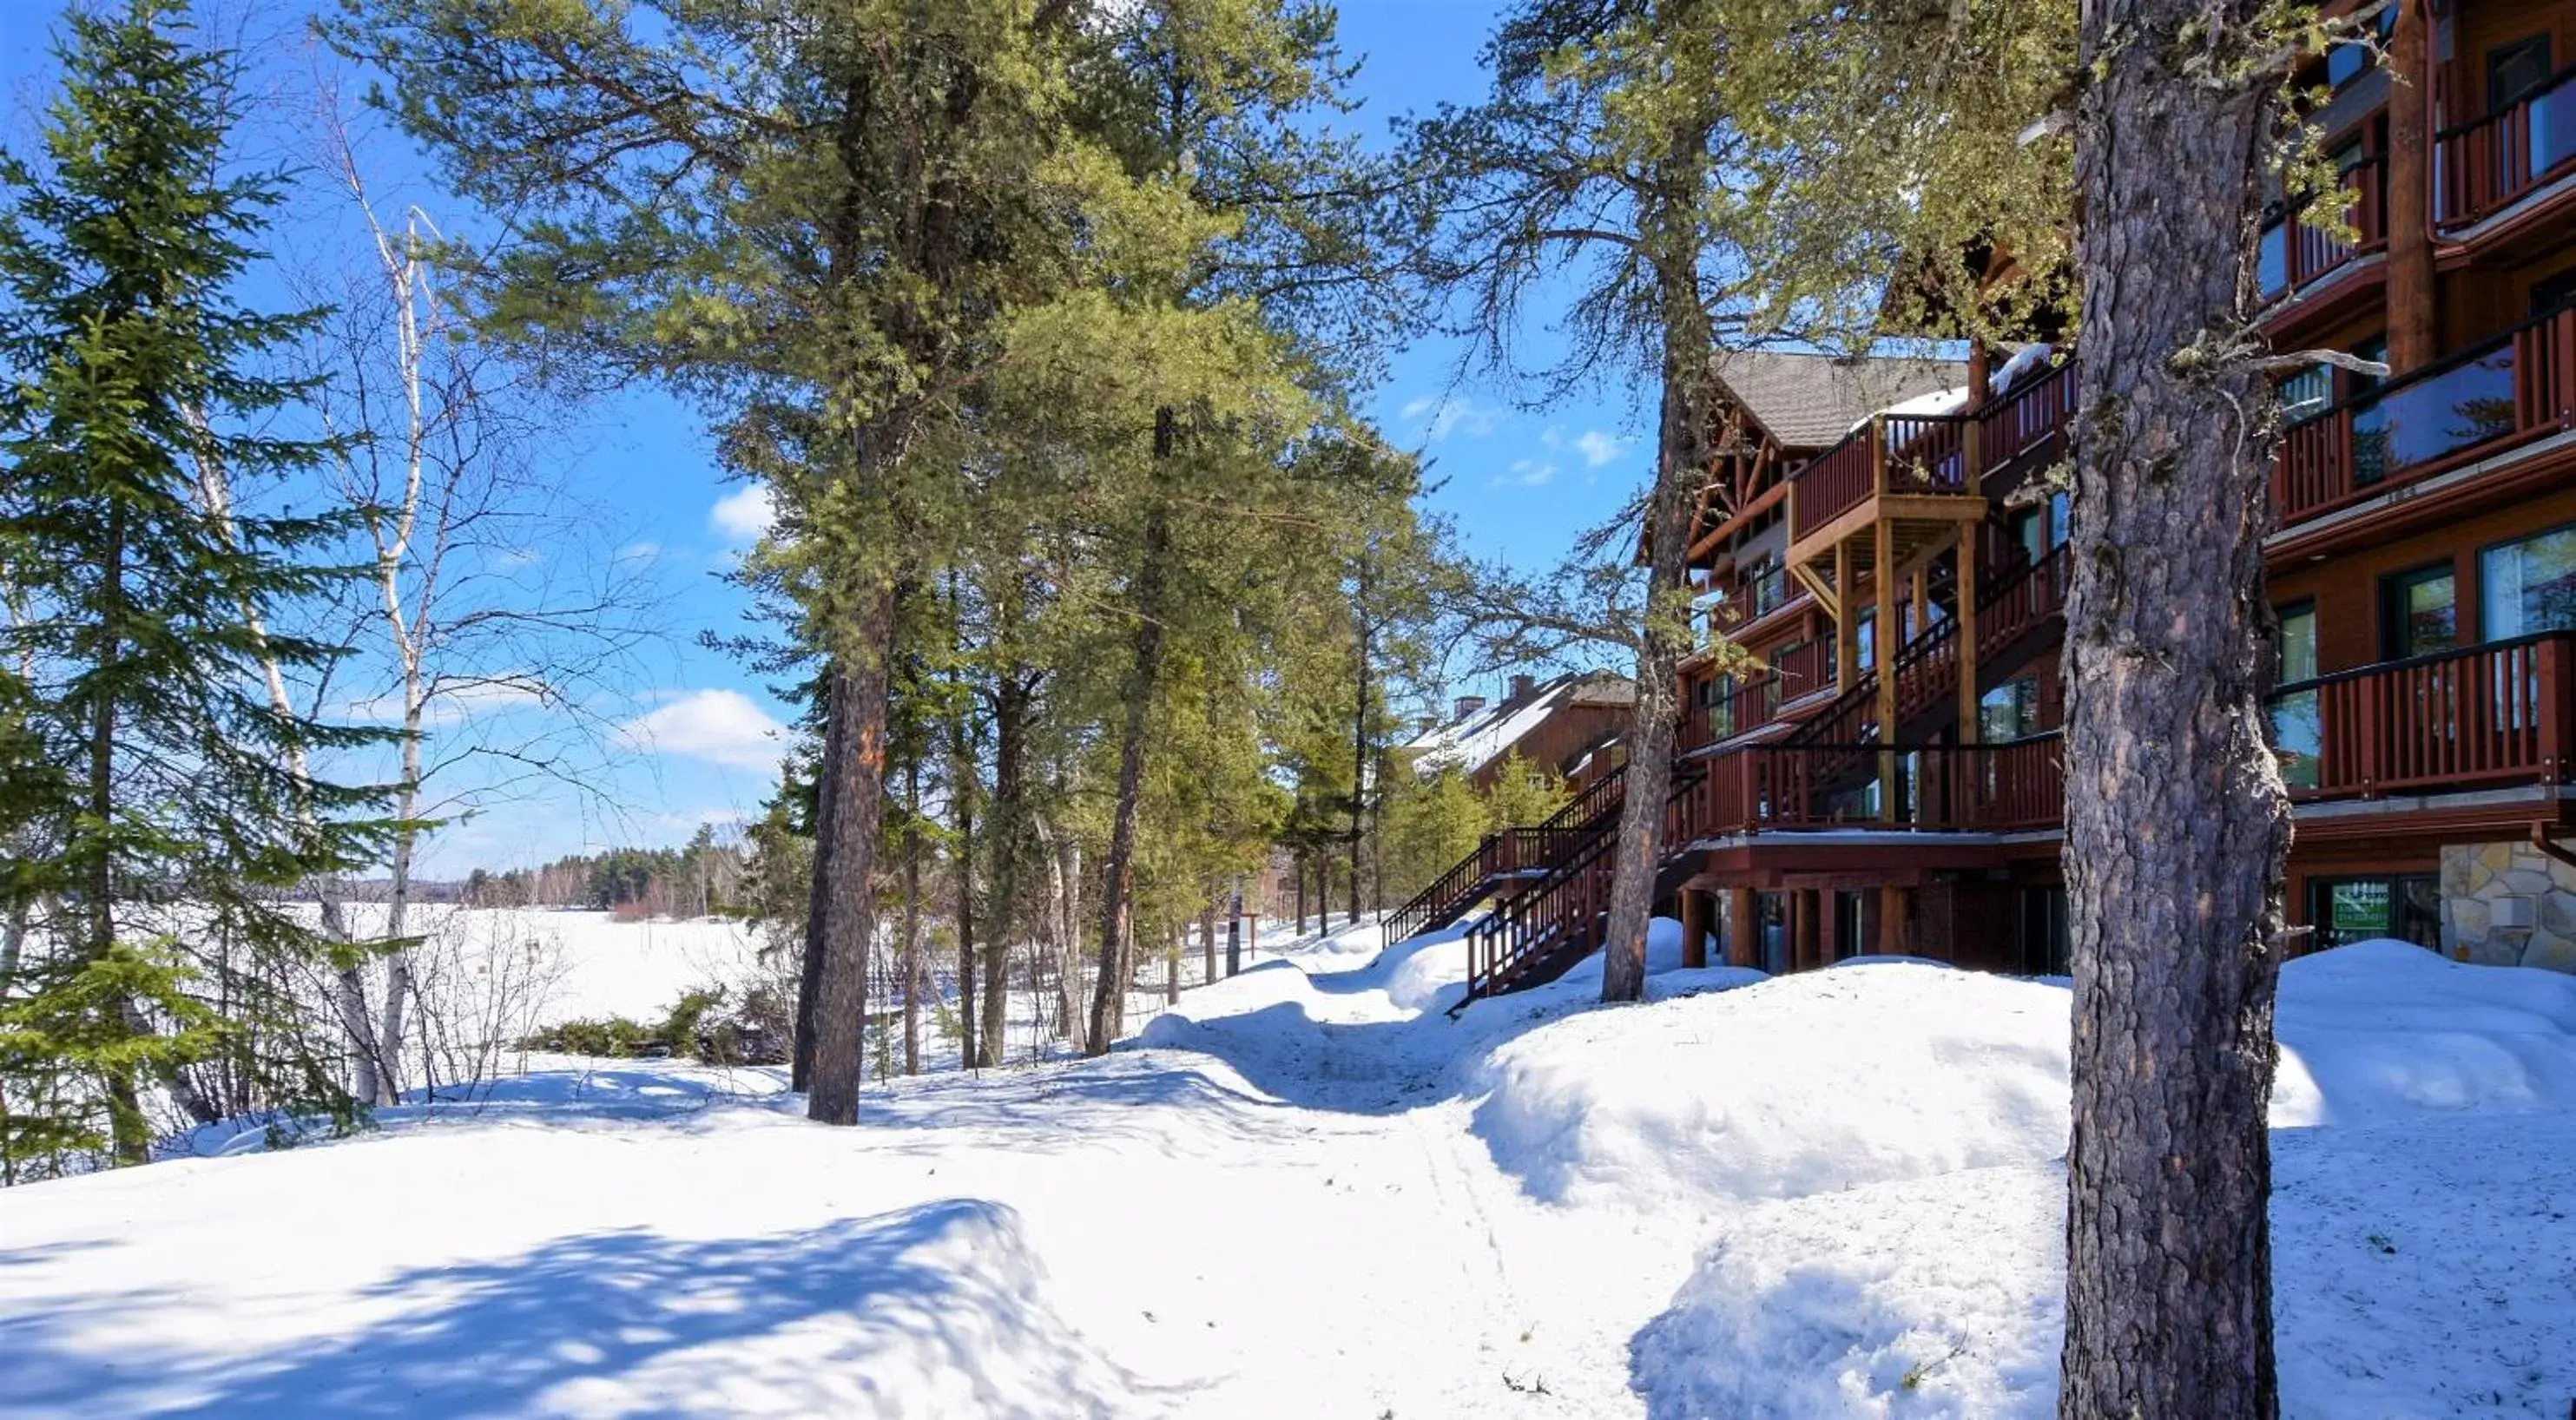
{"x": 845, "y": 1318}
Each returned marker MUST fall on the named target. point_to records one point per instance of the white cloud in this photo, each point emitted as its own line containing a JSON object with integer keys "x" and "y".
{"x": 1597, "y": 447}
{"x": 1442, "y": 415}
{"x": 1526, "y": 473}
{"x": 743, "y": 516}
{"x": 450, "y": 703}
{"x": 718, "y": 726}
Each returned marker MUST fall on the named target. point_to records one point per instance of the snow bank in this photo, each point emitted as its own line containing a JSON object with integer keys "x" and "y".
{"x": 2386, "y": 1030}
{"x": 1782, "y": 1087}
{"x": 2420, "y": 1270}
{"x": 2424, "y": 1238}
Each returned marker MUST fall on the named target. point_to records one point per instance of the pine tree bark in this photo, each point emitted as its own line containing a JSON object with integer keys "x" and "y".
{"x": 2176, "y": 820}
{"x": 912, "y": 968}
{"x": 1010, "y": 844}
{"x": 847, "y": 919}
{"x": 971, "y": 1043}
{"x": 1681, "y": 469}
{"x": 818, "y": 888}
{"x": 1144, "y": 677}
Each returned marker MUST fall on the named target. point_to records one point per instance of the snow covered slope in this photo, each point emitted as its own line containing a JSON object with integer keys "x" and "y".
{"x": 1308, "y": 1191}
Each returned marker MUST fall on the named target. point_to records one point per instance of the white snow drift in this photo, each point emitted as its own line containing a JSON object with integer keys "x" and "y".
{"x": 1309, "y": 1190}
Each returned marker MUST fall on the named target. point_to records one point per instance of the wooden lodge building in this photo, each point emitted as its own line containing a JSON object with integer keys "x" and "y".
{"x": 1880, "y": 772}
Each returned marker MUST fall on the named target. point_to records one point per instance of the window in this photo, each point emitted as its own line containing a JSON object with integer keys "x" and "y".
{"x": 2350, "y": 60}
{"x": 1851, "y": 924}
{"x": 2009, "y": 712}
{"x": 2042, "y": 938}
{"x": 2528, "y": 586}
{"x": 2029, "y": 533}
{"x": 1771, "y": 919}
{"x": 2516, "y": 71}
{"x": 2419, "y": 612}
{"x": 2297, "y": 736}
{"x": 2307, "y": 392}
{"x": 2060, "y": 519}
{"x": 2298, "y": 642}
{"x": 2406, "y": 906}
{"x": 2375, "y": 350}
{"x": 1868, "y": 639}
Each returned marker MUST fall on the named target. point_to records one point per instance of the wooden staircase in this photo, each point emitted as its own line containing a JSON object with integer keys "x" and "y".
{"x": 1557, "y": 917}
{"x": 1505, "y": 859}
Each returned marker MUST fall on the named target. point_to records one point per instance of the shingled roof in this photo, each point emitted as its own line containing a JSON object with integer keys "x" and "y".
{"x": 1811, "y": 401}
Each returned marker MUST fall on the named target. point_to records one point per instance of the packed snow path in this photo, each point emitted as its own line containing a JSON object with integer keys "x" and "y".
{"x": 1310, "y": 1193}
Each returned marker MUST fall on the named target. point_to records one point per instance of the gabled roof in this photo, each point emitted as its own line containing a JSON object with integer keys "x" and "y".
{"x": 1810, "y": 401}
{"x": 1489, "y": 733}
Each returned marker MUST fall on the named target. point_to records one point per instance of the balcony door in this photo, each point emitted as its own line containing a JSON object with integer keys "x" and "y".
{"x": 2406, "y": 906}
{"x": 2419, "y": 612}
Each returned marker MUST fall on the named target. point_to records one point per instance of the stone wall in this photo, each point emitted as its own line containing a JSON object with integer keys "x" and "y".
{"x": 2508, "y": 904}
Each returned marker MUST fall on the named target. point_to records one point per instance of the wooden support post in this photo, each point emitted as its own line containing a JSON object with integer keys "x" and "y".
{"x": 1882, "y": 657}
{"x": 1846, "y": 621}
{"x": 1743, "y": 929}
{"x": 1694, "y": 911}
{"x": 1802, "y": 929}
{"x": 1891, "y": 919}
{"x": 1967, "y": 634}
{"x": 1919, "y": 597}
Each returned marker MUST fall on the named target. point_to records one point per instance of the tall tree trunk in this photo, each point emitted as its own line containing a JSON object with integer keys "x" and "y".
{"x": 1207, "y": 936}
{"x": 912, "y": 916}
{"x": 1010, "y": 843}
{"x": 131, "y": 1136}
{"x": 1359, "y": 725}
{"x": 1681, "y": 469}
{"x": 848, "y": 918}
{"x": 1172, "y": 964}
{"x": 1144, "y": 678}
{"x": 818, "y": 888}
{"x": 961, "y": 788}
{"x": 2176, "y": 820}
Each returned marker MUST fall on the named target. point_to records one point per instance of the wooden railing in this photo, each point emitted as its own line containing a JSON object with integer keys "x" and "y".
{"x": 1833, "y": 482}
{"x": 1749, "y": 599}
{"x": 1561, "y": 911}
{"x": 2025, "y": 417}
{"x": 1927, "y": 667}
{"x": 2292, "y": 254}
{"x": 2479, "y": 402}
{"x": 2503, "y": 711}
{"x": 2493, "y": 162}
{"x": 1509, "y": 851}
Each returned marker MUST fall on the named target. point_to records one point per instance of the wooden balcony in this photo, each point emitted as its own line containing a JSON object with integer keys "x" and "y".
{"x": 2473, "y": 405}
{"x": 2001, "y": 788}
{"x": 2501, "y": 713}
{"x": 1910, "y": 470}
{"x": 2486, "y": 165}
{"x": 2293, "y": 255}
{"x": 1803, "y": 670}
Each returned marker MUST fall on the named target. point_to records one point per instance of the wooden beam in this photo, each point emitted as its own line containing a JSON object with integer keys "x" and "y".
{"x": 1763, "y": 502}
{"x": 1816, "y": 586}
{"x": 1743, "y": 930}
{"x": 1883, "y": 660}
{"x": 1891, "y": 919}
{"x": 1846, "y": 614}
{"x": 1694, "y": 910}
{"x": 1967, "y": 634}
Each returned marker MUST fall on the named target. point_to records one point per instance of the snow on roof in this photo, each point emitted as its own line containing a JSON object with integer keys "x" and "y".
{"x": 1809, "y": 401}
{"x": 1488, "y": 733}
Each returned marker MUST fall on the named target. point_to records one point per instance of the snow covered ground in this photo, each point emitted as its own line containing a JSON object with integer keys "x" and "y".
{"x": 1308, "y": 1191}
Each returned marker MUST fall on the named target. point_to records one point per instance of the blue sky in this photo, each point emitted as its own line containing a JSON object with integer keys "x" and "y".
{"x": 689, "y": 731}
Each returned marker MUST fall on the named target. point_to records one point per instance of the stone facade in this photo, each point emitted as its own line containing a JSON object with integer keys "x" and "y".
{"x": 2508, "y": 904}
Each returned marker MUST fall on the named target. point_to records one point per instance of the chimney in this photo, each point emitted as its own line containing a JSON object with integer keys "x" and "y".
{"x": 1468, "y": 705}
{"x": 1521, "y": 685}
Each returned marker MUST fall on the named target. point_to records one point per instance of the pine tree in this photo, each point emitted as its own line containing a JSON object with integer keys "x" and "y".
{"x": 172, "y": 814}
{"x": 1595, "y": 159}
